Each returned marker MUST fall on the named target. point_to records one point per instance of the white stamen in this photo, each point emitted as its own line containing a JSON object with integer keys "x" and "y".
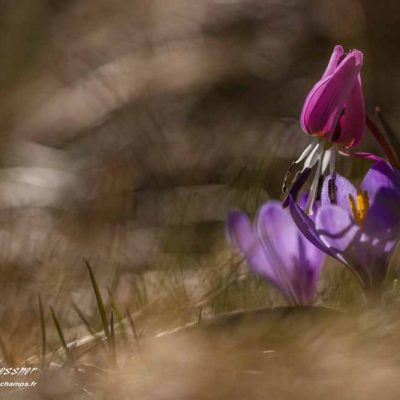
{"x": 314, "y": 186}
{"x": 305, "y": 153}
{"x": 326, "y": 160}
{"x": 314, "y": 156}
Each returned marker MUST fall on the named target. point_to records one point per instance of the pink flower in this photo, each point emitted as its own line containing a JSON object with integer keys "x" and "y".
{"x": 334, "y": 114}
{"x": 334, "y": 108}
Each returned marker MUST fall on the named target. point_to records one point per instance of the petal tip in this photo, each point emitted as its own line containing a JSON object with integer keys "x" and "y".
{"x": 358, "y": 57}
{"x": 338, "y": 49}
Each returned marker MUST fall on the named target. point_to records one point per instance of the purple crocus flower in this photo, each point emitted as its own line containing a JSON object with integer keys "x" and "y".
{"x": 359, "y": 227}
{"x": 334, "y": 114}
{"x": 276, "y": 250}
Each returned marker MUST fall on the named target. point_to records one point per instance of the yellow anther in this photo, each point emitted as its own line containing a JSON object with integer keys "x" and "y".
{"x": 360, "y": 208}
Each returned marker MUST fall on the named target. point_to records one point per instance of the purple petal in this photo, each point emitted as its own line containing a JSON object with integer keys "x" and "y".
{"x": 340, "y": 233}
{"x": 299, "y": 262}
{"x": 353, "y": 121}
{"x": 273, "y": 222}
{"x": 381, "y": 175}
{"x": 343, "y": 189}
{"x": 383, "y": 217}
{"x": 242, "y": 236}
{"x": 279, "y": 234}
{"x": 325, "y": 102}
{"x": 308, "y": 268}
{"x": 336, "y": 228}
{"x": 365, "y": 255}
{"x": 307, "y": 227}
{"x": 302, "y": 202}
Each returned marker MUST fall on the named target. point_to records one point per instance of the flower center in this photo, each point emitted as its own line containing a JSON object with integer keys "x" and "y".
{"x": 360, "y": 206}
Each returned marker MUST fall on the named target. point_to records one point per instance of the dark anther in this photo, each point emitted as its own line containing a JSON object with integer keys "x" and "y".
{"x": 332, "y": 191}
{"x": 287, "y": 175}
{"x": 319, "y": 187}
{"x": 298, "y": 182}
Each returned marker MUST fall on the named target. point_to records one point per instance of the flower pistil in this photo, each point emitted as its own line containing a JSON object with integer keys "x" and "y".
{"x": 360, "y": 206}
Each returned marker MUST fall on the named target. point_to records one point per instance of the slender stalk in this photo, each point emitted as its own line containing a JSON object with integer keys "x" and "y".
{"x": 390, "y": 132}
{"x": 117, "y": 313}
{"x": 132, "y": 324}
{"x": 60, "y": 333}
{"x": 100, "y": 303}
{"x": 112, "y": 340}
{"x": 384, "y": 143}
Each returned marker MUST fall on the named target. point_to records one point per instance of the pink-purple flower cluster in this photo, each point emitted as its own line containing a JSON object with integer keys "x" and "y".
{"x": 357, "y": 225}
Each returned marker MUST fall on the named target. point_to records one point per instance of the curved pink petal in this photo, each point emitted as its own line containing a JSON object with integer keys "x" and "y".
{"x": 333, "y": 63}
{"x": 327, "y": 99}
{"x": 337, "y": 54}
{"x": 361, "y": 154}
{"x": 352, "y": 123}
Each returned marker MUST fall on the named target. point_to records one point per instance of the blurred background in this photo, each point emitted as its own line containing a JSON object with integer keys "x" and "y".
{"x": 129, "y": 127}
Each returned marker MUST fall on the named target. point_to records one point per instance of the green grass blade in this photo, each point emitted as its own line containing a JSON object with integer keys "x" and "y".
{"x": 112, "y": 339}
{"x": 99, "y": 300}
{"x": 117, "y": 313}
{"x": 60, "y": 333}
{"x": 132, "y": 324}
{"x": 43, "y": 331}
